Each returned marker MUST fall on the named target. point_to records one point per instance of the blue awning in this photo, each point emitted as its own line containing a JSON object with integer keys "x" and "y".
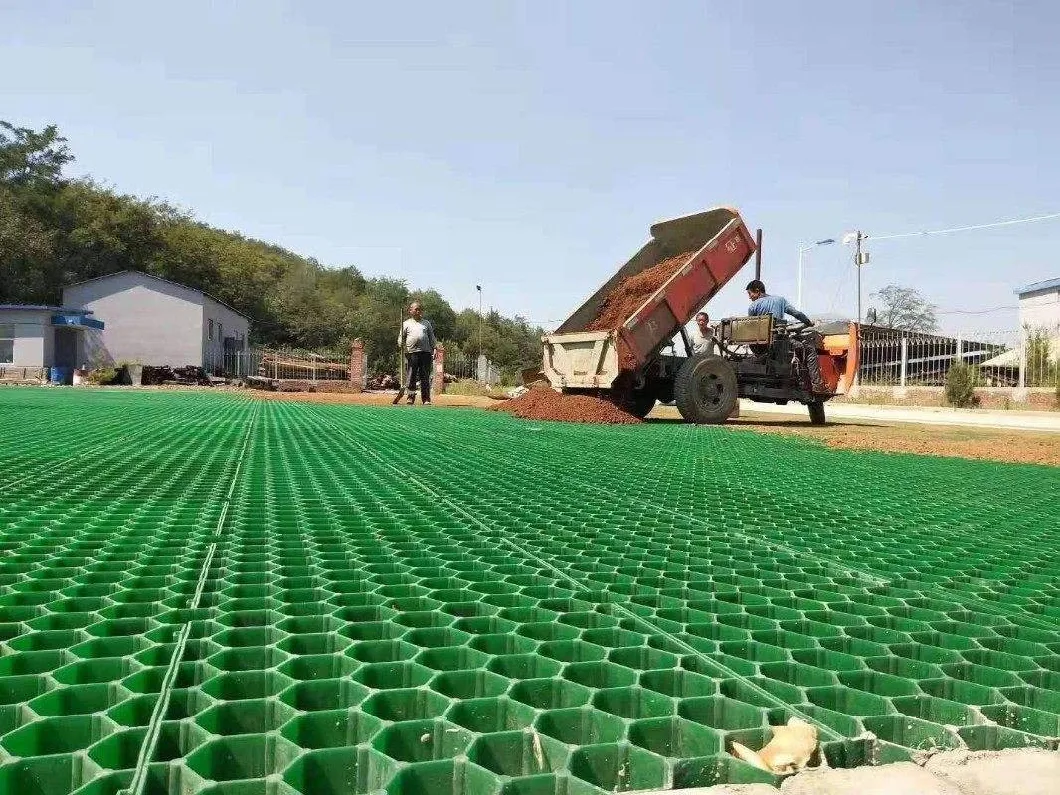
{"x": 78, "y": 320}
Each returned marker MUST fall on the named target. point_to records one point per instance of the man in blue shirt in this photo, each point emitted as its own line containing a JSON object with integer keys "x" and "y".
{"x": 764, "y": 304}
{"x": 775, "y": 305}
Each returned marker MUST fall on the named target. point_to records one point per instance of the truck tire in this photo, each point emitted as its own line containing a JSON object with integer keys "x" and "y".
{"x": 816, "y": 408}
{"x": 705, "y": 390}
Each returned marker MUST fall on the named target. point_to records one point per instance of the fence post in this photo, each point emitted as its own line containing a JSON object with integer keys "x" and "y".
{"x": 357, "y": 362}
{"x": 439, "y": 370}
{"x": 903, "y": 373}
{"x": 854, "y": 389}
{"x": 1020, "y": 394}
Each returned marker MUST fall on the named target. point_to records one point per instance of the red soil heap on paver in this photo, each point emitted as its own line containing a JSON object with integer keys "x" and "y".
{"x": 633, "y": 291}
{"x": 546, "y": 404}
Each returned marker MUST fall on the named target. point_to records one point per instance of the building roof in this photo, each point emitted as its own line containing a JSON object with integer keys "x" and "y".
{"x": 1011, "y": 357}
{"x": 160, "y": 279}
{"x": 1048, "y": 284}
{"x": 44, "y": 308}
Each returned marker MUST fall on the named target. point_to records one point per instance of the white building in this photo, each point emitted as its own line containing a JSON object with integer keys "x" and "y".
{"x": 34, "y": 337}
{"x": 1039, "y": 305}
{"x": 157, "y": 322}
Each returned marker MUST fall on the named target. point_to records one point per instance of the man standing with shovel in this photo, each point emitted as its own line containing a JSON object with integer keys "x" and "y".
{"x": 416, "y": 340}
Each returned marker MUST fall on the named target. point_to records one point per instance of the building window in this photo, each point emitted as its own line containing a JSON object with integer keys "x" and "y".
{"x": 7, "y": 343}
{"x": 211, "y": 329}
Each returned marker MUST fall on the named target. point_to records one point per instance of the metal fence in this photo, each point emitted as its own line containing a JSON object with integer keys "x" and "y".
{"x": 460, "y": 365}
{"x": 468, "y": 367}
{"x": 14, "y": 372}
{"x": 279, "y": 363}
{"x": 1023, "y": 358}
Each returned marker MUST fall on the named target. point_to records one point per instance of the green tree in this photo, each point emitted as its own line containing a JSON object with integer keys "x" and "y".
{"x": 961, "y": 380}
{"x": 377, "y": 318}
{"x": 31, "y": 165}
{"x": 1043, "y": 364}
{"x": 102, "y": 232}
{"x": 28, "y": 157}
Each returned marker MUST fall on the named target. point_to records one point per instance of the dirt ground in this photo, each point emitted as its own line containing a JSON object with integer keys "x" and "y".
{"x": 1021, "y": 447}
{"x": 1037, "y": 399}
{"x": 983, "y": 444}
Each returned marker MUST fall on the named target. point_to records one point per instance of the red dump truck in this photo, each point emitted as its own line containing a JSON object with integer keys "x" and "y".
{"x": 756, "y": 357}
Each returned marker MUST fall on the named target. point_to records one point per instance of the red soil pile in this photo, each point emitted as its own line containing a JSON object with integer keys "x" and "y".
{"x": 546, "y": 404}
{"x": 633, "y": 291}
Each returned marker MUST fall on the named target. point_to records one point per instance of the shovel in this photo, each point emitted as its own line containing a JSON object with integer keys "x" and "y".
{"x": 401, "y": 379}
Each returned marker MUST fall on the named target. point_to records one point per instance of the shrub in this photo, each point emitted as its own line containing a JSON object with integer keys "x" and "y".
{"x": 960, "y": 385}
{"x": 102, "y": 376}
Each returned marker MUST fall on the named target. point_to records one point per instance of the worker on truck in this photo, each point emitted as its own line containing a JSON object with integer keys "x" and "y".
{"x": 703, "y": 335}
{"x": 416, "y": 339}
{"x": 764, "y": 304}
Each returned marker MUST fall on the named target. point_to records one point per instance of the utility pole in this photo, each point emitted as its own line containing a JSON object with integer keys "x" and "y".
{"x": 861, "y": 258}
{"x": 758, "y": 254}
{"x": 857, "y": 262}
{"x": 479, "y": 288}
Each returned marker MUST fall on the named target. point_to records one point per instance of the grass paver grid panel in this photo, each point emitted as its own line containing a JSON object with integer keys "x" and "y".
{"x": 532, "y": 608}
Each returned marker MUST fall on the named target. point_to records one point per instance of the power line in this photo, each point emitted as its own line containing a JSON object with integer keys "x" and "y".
{"x": 1008, "y": 307}
{"x": 1011, "y": 222}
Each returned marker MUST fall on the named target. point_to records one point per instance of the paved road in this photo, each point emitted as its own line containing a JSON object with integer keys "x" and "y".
{"x": 1047, "y": 421}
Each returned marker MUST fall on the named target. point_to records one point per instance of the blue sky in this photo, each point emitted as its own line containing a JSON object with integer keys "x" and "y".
{"x": 528, "y": 146}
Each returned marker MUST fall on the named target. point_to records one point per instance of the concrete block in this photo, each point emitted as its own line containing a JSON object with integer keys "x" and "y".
{"x": 902, "y": 778}
{"x": 721, "y": 789}
{"x": 1025, "y": 771}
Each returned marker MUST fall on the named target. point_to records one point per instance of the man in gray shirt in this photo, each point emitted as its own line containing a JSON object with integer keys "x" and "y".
{"x": 703, "y": 335}
{"x": 416, "y": 340}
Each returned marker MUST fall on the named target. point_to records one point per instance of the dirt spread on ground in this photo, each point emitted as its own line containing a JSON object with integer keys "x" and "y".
{"x": 1013, "y": 447}
{"x": 1001, "y": 398}
{"x": 546, "y": 404}
{"x": 633, "y": 291}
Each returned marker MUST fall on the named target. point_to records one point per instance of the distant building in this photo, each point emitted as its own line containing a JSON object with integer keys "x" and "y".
{"x": 39, "y": 336}
{"x": 158, "y": 322}
{"x": 1039, "y": 305}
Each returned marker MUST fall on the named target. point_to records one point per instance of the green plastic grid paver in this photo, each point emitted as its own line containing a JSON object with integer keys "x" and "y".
{"x": 306, "y": 616}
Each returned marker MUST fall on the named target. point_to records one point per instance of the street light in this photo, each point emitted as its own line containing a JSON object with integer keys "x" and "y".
{"x": 802, "y": 250}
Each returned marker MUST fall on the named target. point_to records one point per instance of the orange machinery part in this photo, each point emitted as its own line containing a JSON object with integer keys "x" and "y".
{"x": 839, "y": 359}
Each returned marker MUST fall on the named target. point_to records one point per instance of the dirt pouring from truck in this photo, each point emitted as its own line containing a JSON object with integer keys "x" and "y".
{"x": 545, "y": 404}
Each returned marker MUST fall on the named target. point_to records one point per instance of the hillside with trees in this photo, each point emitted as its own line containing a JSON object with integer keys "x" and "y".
{"x": 55, "y": 230}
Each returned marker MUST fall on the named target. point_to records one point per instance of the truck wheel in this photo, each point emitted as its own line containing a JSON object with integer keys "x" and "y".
{"x": 816, "y": 412}
{"x": 705, "y": 389}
